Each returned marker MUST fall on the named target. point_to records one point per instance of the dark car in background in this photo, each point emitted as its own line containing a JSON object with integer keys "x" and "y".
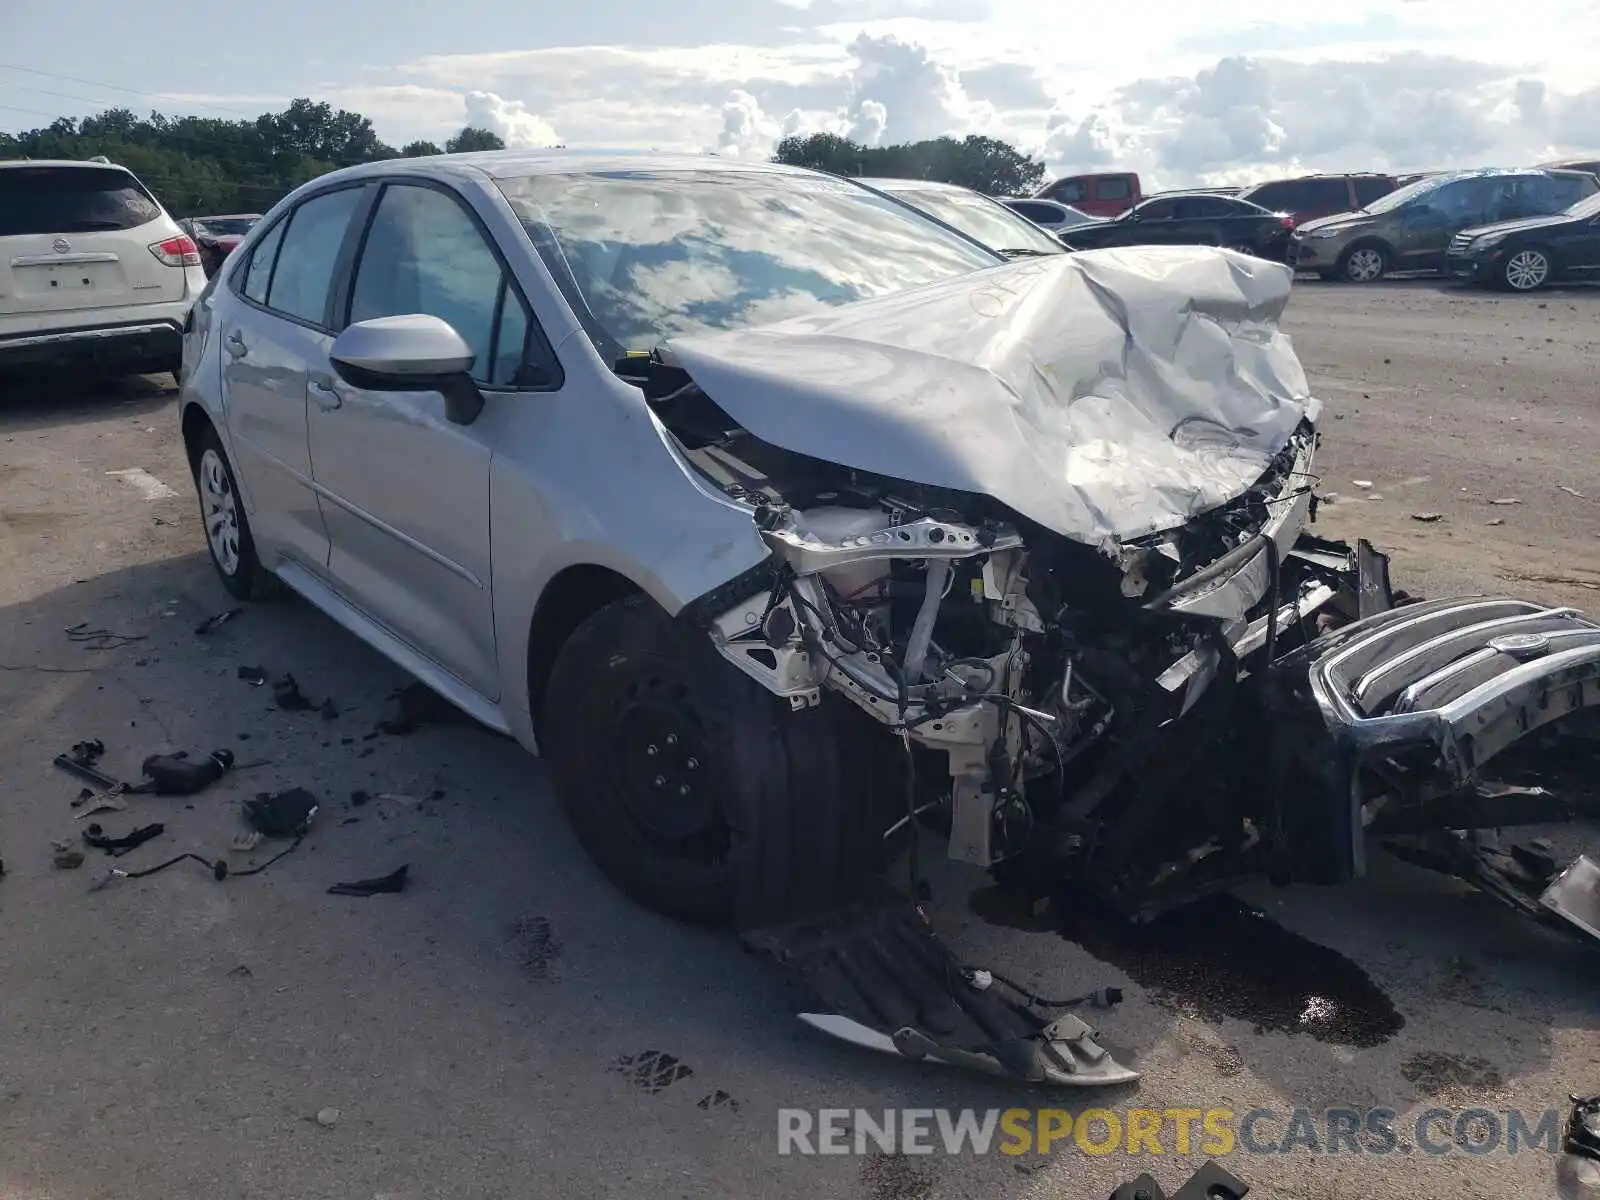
{"x": 979, "y": 217}
{"x": 1527, "y": 254}
{"x": 1193, "y": 219}
{"x": 1589, "y": 165}
{"x": 218, "y": 236}
{"x": 1410, "y": 229}
{"x": 1313, "y": 196}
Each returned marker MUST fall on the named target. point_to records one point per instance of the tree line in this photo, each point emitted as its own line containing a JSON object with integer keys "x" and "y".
{"x": 199, "y": 165}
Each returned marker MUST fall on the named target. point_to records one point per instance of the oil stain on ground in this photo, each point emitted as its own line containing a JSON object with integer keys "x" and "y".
{"x": 1218, "y": 958}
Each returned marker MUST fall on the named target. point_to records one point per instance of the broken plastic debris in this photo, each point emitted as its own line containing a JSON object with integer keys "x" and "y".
{"x": 245, "y": 842}
{"x": 68, "y": 860}
{"x": 178, "y": 775}
{"x": 1506, "y": 500}
{"x": 281, "y": 814}
{"x": 327, "y": 1116}
{"x": 1495, "y": 521}
{"x": 286, "y": 692}
{"x": 212, "y": 623}
{"x": 117, "y": 846}
{"x": 416, "y": 705}
{"x": 1571, "y": 491}
{"x": 1362, "y": 483}
{"x": 254, "y": 676}
{"x": 394, "y": 881}
{"x": 103, "y": 802}
{"x": 1427, "y": 516}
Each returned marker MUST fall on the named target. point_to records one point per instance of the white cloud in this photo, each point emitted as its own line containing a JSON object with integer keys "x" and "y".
{"x": 900, "y": 93}
{"x": 518, "y": 128}
{"x": 746, "y": 130}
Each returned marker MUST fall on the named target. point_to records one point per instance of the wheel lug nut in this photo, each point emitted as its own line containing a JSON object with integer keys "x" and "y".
{"x": 693, "y": 764}
{"x": 650, "y": 750}
{"x": 661, "y": 781}
{"x": 672, "y": 739}
{"x": 683, "y": 789}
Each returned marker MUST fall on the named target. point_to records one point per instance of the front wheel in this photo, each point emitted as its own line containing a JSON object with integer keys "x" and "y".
{"x": 696, "y": 791}
{"x": 1526, "y": 270}
{"x": 1364, "y": 264}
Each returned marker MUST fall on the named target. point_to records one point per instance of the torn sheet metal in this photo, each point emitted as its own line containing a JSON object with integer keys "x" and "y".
{"x": 1107, "y": 394}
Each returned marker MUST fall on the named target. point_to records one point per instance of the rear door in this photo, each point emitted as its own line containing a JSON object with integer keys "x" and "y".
{"x": 76, "y": 237}
{"x": 275, "y": 332}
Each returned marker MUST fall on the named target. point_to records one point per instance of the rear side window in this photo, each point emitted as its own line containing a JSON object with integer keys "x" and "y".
{"x": 308, "y": 255}
{"x": 1276, "y": 195}
{"x": 1330, "y": 194}
{"x": 1368, "y": 190}
{"x": 1112, "y": 189}
{"x": 1567, "y": 190}
{"x": 258, "y": 275}
{"x": 72, "y": 200}
{"x": 1041, "y": 214}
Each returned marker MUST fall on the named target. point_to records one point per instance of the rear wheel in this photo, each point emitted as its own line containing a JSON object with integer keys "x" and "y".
{"x": 1364, "y": 264}
{"x": 228, "y": 538}
{"x": 1526, "y": 270}
{"x": 695, "y": 790}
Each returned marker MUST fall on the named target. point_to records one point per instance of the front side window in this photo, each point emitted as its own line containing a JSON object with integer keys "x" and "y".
{"x": 646, "y": 255}
{"x": 1113, "y": 189}
{"x": 423, "y": 253}
{"x": 1370, "y": 189}
{"x": 258, "y": 275}
{"x": 1157, "y": 210}
{"x": 1275, "y": 196}
{"x": 309, "y": 253}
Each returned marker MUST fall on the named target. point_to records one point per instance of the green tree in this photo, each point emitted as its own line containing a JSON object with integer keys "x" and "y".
{"x": 984, "y": 164}
{"x": 418, "y": 150}
{"x": 473, "y": 138}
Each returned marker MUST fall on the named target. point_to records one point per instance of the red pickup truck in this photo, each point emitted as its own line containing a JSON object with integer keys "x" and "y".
{"x": 1102, "y": 195}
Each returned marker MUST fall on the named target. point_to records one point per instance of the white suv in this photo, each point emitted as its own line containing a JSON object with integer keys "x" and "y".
{"x": 93, "y": 272}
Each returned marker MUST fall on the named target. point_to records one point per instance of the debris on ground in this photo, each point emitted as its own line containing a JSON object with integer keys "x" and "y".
{"x": 102, "y": 802}
{"x": 117, "y": 846}
{"x": 100, "y": 639}
{"x": 177, "y": 774}
{"x": 327, "y": 1117}
{"x": 1578, "y": 1171}
{"x": 1506, "y": 500}
{"x": 394, "y": 881}
{"x": 359, "y": 797}
{"x": 287, "y": 695}
{"x": 281, "y": 814}
{"x": 1362, "y": 483}
{"x": 212, "y": 623}
{"x": 243, "y": 843}
{"x": 1427, "y": 516}
{"x": 329, "y": 710}
{"x": 1210, "y": 1182}
{"x": 254, "y": 676}
{"x": 1496, "y": 521}
{"x": 68, "y": 860}
{"x": 399, "y": 798}
{"x": 1571, "y": 491}
{"x": 417, "y": 705}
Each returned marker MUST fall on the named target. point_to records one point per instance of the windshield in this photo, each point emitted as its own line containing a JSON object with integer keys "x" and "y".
{"x": 644, "y": 256}
{"x": 72, "y": 200}
{"x": 1411, "y": 191}
{"x": 979, "y": 217}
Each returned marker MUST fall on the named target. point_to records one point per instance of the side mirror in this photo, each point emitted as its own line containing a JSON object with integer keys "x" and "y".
{"x": 410, "y": 353}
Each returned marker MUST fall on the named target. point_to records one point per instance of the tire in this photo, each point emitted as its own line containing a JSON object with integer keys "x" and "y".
{"x": 1364, "y": 263}
{"x": 233, "y": 550}
{"x": 1527, "y": 270}
{"x": 697, "y": 792}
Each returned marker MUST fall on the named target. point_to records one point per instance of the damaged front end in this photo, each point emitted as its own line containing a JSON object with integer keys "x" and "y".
{"x": 1146, "y": 690}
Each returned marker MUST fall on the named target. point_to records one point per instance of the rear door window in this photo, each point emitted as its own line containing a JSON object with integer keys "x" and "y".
{"x": 1368, "y": 190}
{"x": 36, "y": 200}
{"x": 1040, "y": 214}
{"x": 1112, "y": 189}
{"x": 1283, "y": 196}
{"x": 1327, "y": 195}
{"x": 258, "y": 275}
{"x": 309, "y": 253}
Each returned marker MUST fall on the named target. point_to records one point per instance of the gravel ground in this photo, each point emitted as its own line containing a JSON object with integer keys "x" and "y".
{"x": 510, "y": 1025}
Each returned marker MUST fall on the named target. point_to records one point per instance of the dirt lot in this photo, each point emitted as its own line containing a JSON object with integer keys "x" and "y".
{"x": 510, "y": 1026}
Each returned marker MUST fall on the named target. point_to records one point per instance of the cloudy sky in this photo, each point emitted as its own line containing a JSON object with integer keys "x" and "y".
{"x": 1183, "y": 92}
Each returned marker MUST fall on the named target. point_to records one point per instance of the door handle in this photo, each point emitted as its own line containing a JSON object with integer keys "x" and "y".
{"x": 235, "y": 344}
{"x": 324, "y": 394}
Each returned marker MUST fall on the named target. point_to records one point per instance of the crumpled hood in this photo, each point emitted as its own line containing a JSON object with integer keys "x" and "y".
{"x": 1344, "y": 220}
{"x": 1105, "y": 394}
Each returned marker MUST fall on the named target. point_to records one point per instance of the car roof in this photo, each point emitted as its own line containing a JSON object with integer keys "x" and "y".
{"x": 518, "y": 164}
{"x": 887, "y": 183}
{"x": 63, "y": 162}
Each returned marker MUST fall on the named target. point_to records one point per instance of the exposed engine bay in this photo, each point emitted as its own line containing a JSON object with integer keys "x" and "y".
{"x": 1100, "y": 640}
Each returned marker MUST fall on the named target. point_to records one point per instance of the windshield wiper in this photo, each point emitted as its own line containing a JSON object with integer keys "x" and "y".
{"x": 1019, "y": 252}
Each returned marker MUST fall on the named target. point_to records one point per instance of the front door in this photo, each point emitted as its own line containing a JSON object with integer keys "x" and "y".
{"x": 405, "y": 492}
